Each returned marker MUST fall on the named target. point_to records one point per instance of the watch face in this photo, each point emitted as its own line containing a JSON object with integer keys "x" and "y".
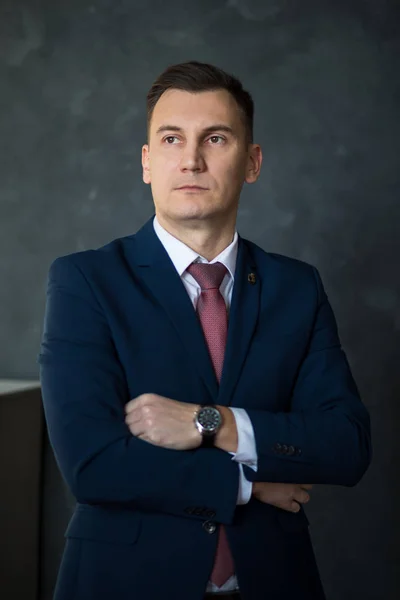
{"x": 209, "y": 418}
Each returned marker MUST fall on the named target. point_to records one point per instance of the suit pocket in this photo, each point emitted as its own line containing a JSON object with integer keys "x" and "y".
{"x": 293, "y": 521}
{"x": 104, "y": 525}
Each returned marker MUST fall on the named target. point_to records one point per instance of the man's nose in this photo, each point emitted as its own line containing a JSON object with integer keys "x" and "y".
{"x": 192, "y": 159}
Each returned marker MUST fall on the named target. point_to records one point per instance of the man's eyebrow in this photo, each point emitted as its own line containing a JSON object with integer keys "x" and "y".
{"x": 205, "y": 131}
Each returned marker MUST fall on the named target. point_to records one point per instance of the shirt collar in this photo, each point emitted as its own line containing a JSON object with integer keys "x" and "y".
{"x": 182, "y": 256}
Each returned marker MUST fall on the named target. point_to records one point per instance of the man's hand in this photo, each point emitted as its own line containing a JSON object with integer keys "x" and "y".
{"x": 288, "y": 496}
{"x": 163, "y": 422}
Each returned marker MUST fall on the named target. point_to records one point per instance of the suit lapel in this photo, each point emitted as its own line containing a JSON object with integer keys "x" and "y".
{"x": 242, "y": 321}
{"x": 157, "y": 271}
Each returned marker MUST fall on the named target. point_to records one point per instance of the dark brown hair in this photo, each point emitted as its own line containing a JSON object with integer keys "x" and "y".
{"x": 195, "y": 77}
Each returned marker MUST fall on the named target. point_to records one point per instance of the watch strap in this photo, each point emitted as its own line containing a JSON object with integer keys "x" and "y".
{"x": 208, "y": 441}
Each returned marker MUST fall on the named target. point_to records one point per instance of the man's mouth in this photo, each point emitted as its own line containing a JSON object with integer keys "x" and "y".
{"x": 191, "y": 187}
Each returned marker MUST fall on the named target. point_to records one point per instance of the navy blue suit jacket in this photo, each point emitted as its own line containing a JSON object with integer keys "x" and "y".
{"x": 119, "y": 323}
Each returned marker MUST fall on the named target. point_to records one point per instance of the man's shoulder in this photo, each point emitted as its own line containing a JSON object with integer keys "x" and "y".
{"x": 266, "y": 260}
{"x": 107, "y": 253}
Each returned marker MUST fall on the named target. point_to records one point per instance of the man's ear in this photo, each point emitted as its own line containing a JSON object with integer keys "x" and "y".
{"x": 146, "y": 163}
{"x": 253, "y": 163}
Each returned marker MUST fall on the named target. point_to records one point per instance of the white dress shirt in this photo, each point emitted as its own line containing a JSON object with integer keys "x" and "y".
{"x": 182, "y": 256}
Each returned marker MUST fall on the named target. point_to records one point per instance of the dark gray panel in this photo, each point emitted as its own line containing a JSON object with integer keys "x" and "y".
{"x": 21, "y": 420}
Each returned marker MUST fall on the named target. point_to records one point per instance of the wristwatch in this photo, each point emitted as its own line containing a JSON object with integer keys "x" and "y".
{"x": 208, "y": 420}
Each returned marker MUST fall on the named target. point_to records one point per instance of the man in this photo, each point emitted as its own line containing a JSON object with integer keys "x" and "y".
{"x": 194, "y": 385}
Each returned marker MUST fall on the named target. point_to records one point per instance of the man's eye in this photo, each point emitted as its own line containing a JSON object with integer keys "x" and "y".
{"x": 169, "y": 138}
{"x": 216, "y": 138}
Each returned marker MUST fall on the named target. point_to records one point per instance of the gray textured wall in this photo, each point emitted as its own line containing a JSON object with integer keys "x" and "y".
{"x": 325, "y": 80}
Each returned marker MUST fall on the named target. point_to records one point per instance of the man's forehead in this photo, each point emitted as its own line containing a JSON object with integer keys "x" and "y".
{"x": 203, "y": 109}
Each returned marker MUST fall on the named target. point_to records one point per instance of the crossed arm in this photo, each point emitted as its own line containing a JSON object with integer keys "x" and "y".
{"x": 169, "y": 424}
{"x": 85, "y": 393}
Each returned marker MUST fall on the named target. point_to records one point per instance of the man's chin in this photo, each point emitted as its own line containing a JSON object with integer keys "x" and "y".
{"x": 190, "y": 213}
{"x": 193, "y": 216}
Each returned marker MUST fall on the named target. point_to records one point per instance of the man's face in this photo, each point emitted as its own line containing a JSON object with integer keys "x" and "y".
{"x": 198, "y": 139}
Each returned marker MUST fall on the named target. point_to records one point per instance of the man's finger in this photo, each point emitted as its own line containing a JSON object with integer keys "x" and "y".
{"x": 135, "y": 402}
{"x": 301, "y": 496}
{"x": 132, "y": 417}
{"x": 136, "y": 429}
{"x": 306, "y": 486}
{"x": 130, "y": 405}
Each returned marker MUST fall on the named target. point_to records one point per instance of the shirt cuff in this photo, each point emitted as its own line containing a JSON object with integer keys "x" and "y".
{"x": 246, "y": 451}
{"x": 245, "y": 488}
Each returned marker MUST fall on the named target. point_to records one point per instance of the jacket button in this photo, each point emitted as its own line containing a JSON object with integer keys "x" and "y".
{"x": 291, "y": 450}
{"x": 284, "y": 449}
{"x": 277, "y": 448}
{"x": 210, "y": 514}
{"x": 209, "y": 526}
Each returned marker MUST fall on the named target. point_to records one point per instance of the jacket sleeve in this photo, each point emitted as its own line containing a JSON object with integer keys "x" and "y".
{"x": 325, "y": 437}
{"x": 84, "y": 392}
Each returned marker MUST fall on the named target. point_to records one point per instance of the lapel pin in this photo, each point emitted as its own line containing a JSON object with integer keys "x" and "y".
{"x": 251, "y": 278}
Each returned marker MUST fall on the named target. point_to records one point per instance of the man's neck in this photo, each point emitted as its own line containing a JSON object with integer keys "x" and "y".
{"x": 206, "y": 240}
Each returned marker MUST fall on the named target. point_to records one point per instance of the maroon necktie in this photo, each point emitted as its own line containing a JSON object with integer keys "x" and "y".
{"x": 211, "y": 310}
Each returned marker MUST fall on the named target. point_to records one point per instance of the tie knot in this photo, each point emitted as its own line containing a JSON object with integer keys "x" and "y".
{"x": 207, "y": 276}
